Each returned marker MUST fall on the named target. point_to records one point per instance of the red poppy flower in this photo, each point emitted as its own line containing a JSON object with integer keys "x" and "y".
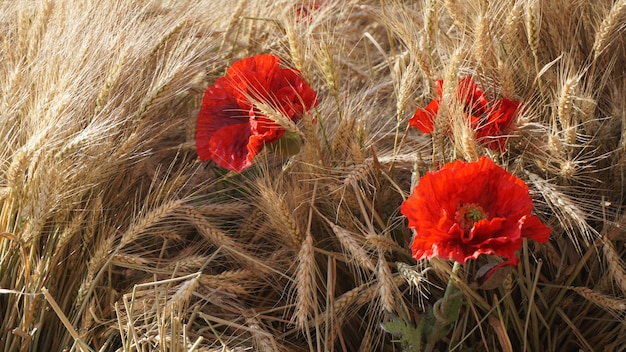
{"x": 231, "y": 130}
{"x": 490, "y": 121}
{"x": 468, "y": 209}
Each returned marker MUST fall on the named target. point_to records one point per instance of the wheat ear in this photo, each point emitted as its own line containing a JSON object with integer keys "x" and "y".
{"x": 483, "y": 45}
{"x": 386, "y": 285}
{"x": 609, "y": 27}
{"x": 352, "y": 247}
{"x": 264, "y": 340}
{"x": 213, "y": 234}
{"x": 600, "y": 299}
{"x": 511, "y": 32}
{"x": 305, "y": 283}
{"x": 279, "y": 215}
{"x": 615, "y": 264}
{"x": 182, "y": 295}
{"x": 456, "y": 12}
{"x": 564, "y": 109}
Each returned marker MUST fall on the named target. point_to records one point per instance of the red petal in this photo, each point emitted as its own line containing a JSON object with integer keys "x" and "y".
{"x": 439, "y": 88}
{"x": 500, "y": 121}
{"x": 265, "y": 129}
{"x": 424, "y": 119}
{"x": 473, "y": 98}
{"x": 251, "y": 77}
{"x": 219, "y": 109}
{"x": 485, "y": 230}
{"x": 291, "y": 94}
{"x": 230, "y": 148}
{"x": 261, "y": 66}
{"x": 534, "y": 229}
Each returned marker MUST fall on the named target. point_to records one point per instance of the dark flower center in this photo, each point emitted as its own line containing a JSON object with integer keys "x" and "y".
{"x": 468, "y": 214}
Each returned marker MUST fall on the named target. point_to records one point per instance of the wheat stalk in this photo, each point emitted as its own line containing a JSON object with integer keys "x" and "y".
{"x": 407, "y": 79}
{"x": 38, "y": 28}
{"x": 151, "y": 218}
{"x": 276, "y": 116}
{"x": 507, "y": 82}
{"x": 297, "y": 51}
{"x": 223, "y": 208}
{"x": 68, "y": 232}
{"x": 229, "y": 281}
{"x": 186, "y": 263}
{"x": 112, "y": 78}
{"x": 342, "y": 138}
{"x": 383, "y": 242}
{"x": 532, "y": 20}
{"x": 94, "y": 265}
{"x": 264, "y": 340}
{"x": 467, "y": 141}
{"x": 456, "y": 12}
{"x": 213, "y": 234}
{"x": 359, "y": 172}
{"x": 511, "y": 32}
{"x": 567, "y": 211}
{"x": 483, "y": 45}
{"x": 430, "y": 23}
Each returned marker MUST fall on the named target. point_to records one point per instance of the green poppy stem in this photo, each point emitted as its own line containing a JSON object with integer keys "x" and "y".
{"x": 445, "y": 311}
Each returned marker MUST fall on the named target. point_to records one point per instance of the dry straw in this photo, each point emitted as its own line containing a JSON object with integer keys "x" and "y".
{"x": 143, "y": 247}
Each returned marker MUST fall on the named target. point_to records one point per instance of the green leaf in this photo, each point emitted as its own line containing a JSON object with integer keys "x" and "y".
{"x": 409, "y": 336}
{"x": 288, "y": 145}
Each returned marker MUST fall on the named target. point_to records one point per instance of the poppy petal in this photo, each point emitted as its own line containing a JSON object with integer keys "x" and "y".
{"x": 534, "y": 229}
{"x": 231, "y": 149}
{"x": 424, "y": 119}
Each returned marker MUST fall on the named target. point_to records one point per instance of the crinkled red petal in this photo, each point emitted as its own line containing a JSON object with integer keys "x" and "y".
{"x": 265, "y": 129}
{"x": 473, "y": 97}
{"x": 219, "y": 110}
{"x": 534, "y": 229}
{"x": 231, "y": 148}
{"x": 291, "y": 94}
{"x": 500, "y": 122}
{"x": 424, "y": 119}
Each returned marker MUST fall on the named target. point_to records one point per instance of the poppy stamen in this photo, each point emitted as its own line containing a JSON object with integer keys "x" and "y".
{"x": 468, "y": 214}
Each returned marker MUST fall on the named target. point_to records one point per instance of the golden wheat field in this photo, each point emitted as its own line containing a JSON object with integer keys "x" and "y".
{"x": 115, "y": 236}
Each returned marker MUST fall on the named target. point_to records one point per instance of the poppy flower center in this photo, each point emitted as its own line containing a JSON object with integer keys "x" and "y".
{"x": 468, "y": 214}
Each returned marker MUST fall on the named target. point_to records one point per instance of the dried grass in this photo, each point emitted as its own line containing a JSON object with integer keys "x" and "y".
{"x": 114, "y": 236}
